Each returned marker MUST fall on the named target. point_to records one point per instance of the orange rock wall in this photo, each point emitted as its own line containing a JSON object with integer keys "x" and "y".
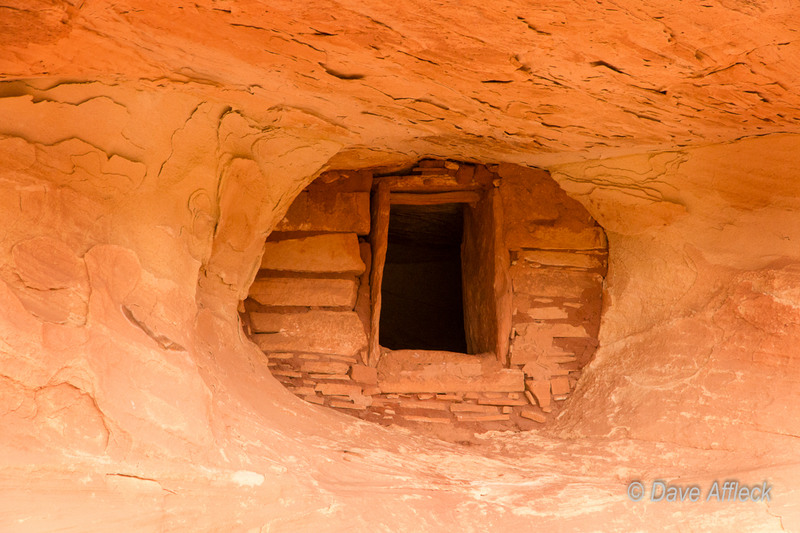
{"x": 718, "y": 259}
{"x": 148, "y": 150}
{"x": 136, "y": 360}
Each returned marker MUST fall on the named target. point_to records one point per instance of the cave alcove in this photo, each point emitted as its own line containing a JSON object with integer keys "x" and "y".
{"x": 451, "y": 295}
{"x": 151, "y": 152}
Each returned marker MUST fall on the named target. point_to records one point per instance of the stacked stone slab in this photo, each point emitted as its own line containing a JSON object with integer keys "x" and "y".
{"x": 309, "y": 307}
{"x": 302, "y": 306}
{"x": 558, "y": 260}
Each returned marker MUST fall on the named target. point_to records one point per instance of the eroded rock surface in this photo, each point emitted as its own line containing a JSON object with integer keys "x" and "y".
{"x": 148, "y": 150}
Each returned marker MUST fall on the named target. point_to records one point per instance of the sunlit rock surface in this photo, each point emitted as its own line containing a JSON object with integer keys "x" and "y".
{"x": 148, "y": 149}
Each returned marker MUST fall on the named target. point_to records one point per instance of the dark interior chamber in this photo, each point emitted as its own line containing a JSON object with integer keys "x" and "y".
{"x": 421, "y": 292}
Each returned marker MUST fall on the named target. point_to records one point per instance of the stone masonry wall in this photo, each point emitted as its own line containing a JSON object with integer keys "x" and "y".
{"x": 558, "y": 261}
{"x": 309, "y": 307}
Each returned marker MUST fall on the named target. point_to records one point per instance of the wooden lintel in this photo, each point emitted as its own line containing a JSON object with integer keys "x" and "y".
{"x": 502, "y": 280}
{"x": 379, "y": 240}
{"x": 434, "y": 198}
{"x": 427, "y": 183}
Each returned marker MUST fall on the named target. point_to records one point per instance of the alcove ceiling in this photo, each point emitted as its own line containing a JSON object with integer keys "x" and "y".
{"x": 497, "y": 80}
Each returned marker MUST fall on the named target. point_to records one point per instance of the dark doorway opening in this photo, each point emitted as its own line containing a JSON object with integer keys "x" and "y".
{"x": 422, "y": 305}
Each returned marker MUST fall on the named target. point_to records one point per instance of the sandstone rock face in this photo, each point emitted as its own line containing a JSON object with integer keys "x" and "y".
{"x": 148, "y": 153}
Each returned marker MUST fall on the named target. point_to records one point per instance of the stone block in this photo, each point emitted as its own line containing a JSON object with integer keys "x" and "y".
{"x": 559, "y": 385}
{"x": 477, "y": 417}
{"x": 344, "y": 358}
{"x": 361, "y": 399}
{"x": 533, "y": 414}
{"x": 423, "y": 404}
{"x": 364, "y": 374}
{"x": 339, "y": 389}
{"x": 562, "y": 330}
{"x": 426, "y": 419}
{"x": 551, "y": 360}
{"x": 340, "y": 377}
{"x": 343, "y": 181}
{"x": 546, "y": 313}
{"x": 555, "y": 237}
{"x": 319, "y": 400}
{"x": 530, "y": 397}
{"x": 321, "y": 211}
{"x": 334, "y": 252}
{"x": 502, "y": 401}
{"x": 529, "y": 346}
{"x": 325, "y": 367}
{"x": 536, "y": 371}
{"x": 528, "y": 199}
{"x": 304, "y": 292}
{"x": 279, "y": 372}
{"x": 534, "y": 342}
{"x": 561, "y": 259}
{"x": 472, "y": 408}
{"x": 553, "y": 283}
{"x": 558, "y": 371}
{"x": 346, "y": 405}
{"x": 541, "y": 391}
{"x": 417, "y": 371}
{"x": 329, "y": 332}
{"x": 382, "y": 402}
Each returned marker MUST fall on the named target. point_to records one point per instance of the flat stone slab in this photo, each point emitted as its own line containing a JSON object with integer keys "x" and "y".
{"x": 335, "y": 252}
{"x": 338, "y": 389}
{"x": 555, "y": 238}
{"x": 344, "y": 212}
{"x": 541, "y": 391}
{"x": 546, "y": 313}
{"x": 561, "y": 259}
{"x": 306, "y": 292}
{"x": 325, "y": 367}
{"x": 553, "y": 282}
{"x": 423, "y": 371}
{"x": 534, "y": 342}
{"x": 328, "y": 332}
{"x": 364, "y": 374}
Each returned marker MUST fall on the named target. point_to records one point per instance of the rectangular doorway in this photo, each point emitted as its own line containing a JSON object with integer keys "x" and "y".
{"x": 437, "y": 281}
{"x": 422, "y": 303}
